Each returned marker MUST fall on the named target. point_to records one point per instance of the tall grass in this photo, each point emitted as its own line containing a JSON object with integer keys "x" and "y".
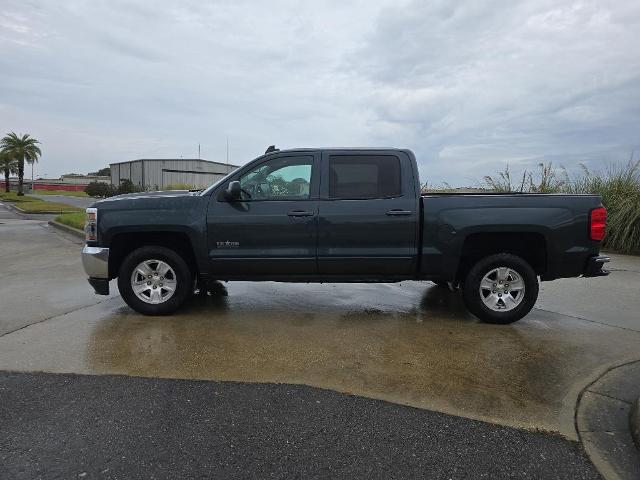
{"x": 619, "y": 187}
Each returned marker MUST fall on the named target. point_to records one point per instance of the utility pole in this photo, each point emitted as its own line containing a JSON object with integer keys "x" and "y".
{"x": 32, "y": 176}
{"x": 199, "y": 152}
{"x": 227, "y": 151}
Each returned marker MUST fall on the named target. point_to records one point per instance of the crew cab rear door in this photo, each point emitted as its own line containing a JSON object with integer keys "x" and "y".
{"x": 368, "y": 214}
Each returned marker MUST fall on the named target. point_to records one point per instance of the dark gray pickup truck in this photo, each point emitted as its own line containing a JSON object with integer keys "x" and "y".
{"x": 341, "y": 215}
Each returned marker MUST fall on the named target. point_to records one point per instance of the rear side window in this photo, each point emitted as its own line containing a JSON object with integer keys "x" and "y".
{"x": 364, "y": 176}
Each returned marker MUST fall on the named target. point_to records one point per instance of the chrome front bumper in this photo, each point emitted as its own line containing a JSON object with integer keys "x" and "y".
{"x": 95, "y": 261}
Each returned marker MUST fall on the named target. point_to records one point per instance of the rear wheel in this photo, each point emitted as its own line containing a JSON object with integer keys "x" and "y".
{"x": 154, "y": 280}
{"x": 500, "y": 288}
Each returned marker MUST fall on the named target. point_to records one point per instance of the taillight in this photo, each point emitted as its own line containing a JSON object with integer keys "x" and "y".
{"x": 91, "y": 225}
{"x": 598, "y": 223}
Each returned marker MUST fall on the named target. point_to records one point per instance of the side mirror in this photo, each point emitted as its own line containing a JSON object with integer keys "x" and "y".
{"x": 232, "y": 193}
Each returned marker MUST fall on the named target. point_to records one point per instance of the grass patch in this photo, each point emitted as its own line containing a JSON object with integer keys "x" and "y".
{"x": 60, "y": 192}
{"x": 42, "y": 206}
{"x": 35, "y": 205}
{"x": 75, "y": 219}
{"x": 13, "y": 197}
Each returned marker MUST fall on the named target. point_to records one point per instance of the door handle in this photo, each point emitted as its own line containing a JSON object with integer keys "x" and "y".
{"x": 397, "y": 212}
{"x": 300, "y": 213}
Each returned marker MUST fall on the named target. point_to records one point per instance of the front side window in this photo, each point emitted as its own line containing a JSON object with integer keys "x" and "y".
{"x": 364, "y": 176}
{"x": 286, "y": 178}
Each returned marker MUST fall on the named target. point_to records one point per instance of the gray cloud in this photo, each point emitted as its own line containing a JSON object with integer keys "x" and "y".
{"x": 469, "y": 86}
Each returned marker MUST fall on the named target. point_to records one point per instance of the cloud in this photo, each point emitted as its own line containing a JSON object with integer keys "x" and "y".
{"x": 469, "y": 86}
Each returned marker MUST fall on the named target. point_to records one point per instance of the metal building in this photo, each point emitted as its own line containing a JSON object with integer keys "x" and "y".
{"x": 158, "y": 173}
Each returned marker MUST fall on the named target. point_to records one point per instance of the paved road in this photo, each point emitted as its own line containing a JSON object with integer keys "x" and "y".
{"x": 44, "y": 269}
{"x": 80, "y": 202}
{"x": 67, "y": 426}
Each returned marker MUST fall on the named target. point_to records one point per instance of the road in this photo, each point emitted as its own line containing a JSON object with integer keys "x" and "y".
{"x": 80, "y": 202}
{"x": 410, "y": 344}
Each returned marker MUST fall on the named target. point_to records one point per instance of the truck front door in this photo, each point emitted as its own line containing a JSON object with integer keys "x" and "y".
{"x": 368, "y": 215}
{"x": 272, "y": 229}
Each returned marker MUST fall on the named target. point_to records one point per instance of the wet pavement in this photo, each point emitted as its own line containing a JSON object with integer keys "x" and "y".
{"x": 410, "y": 343}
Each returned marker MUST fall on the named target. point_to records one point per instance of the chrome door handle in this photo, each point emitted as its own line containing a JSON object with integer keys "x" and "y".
{"x": 300, "y": 213}
{"x": 394, "y": 213}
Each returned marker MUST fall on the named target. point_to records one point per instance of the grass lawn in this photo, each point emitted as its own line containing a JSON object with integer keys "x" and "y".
{"x": 60, "y": 192}
{"x": 75, "y": 219}
{"x": 35, "y": 205}
{"x": 41, "y": 206}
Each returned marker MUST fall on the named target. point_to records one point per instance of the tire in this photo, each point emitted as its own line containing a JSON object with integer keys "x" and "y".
{"x": 494, "y": 302}
{"x": 166, "y": 294}
{"x": 441, "y": 283}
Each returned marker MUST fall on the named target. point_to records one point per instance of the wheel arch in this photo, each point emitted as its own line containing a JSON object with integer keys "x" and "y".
{"x": 123, "y": 244}
{"x": 530, "y": 246}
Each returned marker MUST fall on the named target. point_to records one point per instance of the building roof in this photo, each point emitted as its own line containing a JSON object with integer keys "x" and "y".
{"x": 174, "y": 160}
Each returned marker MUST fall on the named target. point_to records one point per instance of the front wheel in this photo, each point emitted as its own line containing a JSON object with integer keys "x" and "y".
{"x": 154, "y": 280}
{"x": 500, "y": 288}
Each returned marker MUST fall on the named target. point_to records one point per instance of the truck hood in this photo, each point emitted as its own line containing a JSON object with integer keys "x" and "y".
{"x": 148, "y": 196}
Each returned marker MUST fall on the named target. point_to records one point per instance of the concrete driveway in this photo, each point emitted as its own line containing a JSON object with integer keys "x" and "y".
{"x": 410, "y": 343}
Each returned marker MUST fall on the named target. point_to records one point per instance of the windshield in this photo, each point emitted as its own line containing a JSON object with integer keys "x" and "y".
{"x": 208, "y": 190}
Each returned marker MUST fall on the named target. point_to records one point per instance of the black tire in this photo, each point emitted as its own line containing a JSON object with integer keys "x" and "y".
{"x": 183, "y": 277}
{"x": 441, "y": 283}
{"x": 473, "y": 298}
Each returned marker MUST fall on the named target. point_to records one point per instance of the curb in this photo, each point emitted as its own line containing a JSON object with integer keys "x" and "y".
{"x": 66, "y": 228}
{"x": 606, "y": 415}
{"x": 634, "y": 422}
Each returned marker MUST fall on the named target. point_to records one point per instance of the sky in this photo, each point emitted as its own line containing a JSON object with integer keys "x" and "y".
{"x": 469, "y": 86}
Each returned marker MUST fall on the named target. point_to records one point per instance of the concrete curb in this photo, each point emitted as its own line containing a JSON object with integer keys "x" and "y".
{"x": 603, "y": 421}
{"x": 67, "y": 228}
{"x": 634, "y": 422}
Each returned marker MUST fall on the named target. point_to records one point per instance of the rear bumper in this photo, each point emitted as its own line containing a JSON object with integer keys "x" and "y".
{"x": 95, "y": 261}
{"x": 594, "y": 266}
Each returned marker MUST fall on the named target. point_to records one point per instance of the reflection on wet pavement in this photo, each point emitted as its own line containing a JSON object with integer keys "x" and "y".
{"x": 410, "y": 343}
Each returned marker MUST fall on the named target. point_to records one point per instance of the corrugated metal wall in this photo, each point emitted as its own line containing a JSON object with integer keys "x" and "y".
{"x": 159, "y": 174}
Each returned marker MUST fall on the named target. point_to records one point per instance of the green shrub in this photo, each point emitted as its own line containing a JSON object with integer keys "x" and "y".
{"x": 127, "y": 186}
{"x": 100, "y": 189}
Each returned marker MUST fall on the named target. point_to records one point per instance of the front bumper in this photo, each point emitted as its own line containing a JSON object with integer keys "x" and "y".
{"x": 95, "y": 261}
{"x": 594, "y": 266}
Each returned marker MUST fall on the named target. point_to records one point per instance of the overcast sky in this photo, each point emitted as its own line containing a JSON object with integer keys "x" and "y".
{"x": 467, "y": 85}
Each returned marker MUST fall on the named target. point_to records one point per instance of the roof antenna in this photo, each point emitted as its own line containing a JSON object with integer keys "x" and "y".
{"x": 271, "y": 149}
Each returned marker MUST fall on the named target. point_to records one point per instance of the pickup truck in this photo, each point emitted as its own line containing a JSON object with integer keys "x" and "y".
{"x": 341, "y": 215}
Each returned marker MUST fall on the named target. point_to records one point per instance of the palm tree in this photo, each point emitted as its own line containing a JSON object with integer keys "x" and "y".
{"x": 24, "y": 148}
{"x": 8, "y": 166}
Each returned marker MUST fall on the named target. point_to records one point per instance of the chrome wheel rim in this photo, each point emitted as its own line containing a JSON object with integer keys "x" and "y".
{"x": 502, "y": 289}
{"x": 153, "y": 281}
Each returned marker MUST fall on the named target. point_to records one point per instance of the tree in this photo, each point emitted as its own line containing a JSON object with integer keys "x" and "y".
{"x": 103, "y": 172}
{"x": 24, "y": 149}
{"x": 8, "y": 166}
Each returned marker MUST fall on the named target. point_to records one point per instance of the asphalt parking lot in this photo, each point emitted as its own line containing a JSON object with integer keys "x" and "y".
{"x": 405, "y": 377}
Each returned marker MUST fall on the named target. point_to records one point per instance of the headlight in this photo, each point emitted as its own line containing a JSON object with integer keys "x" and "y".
{"x": 91, "y": 225}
